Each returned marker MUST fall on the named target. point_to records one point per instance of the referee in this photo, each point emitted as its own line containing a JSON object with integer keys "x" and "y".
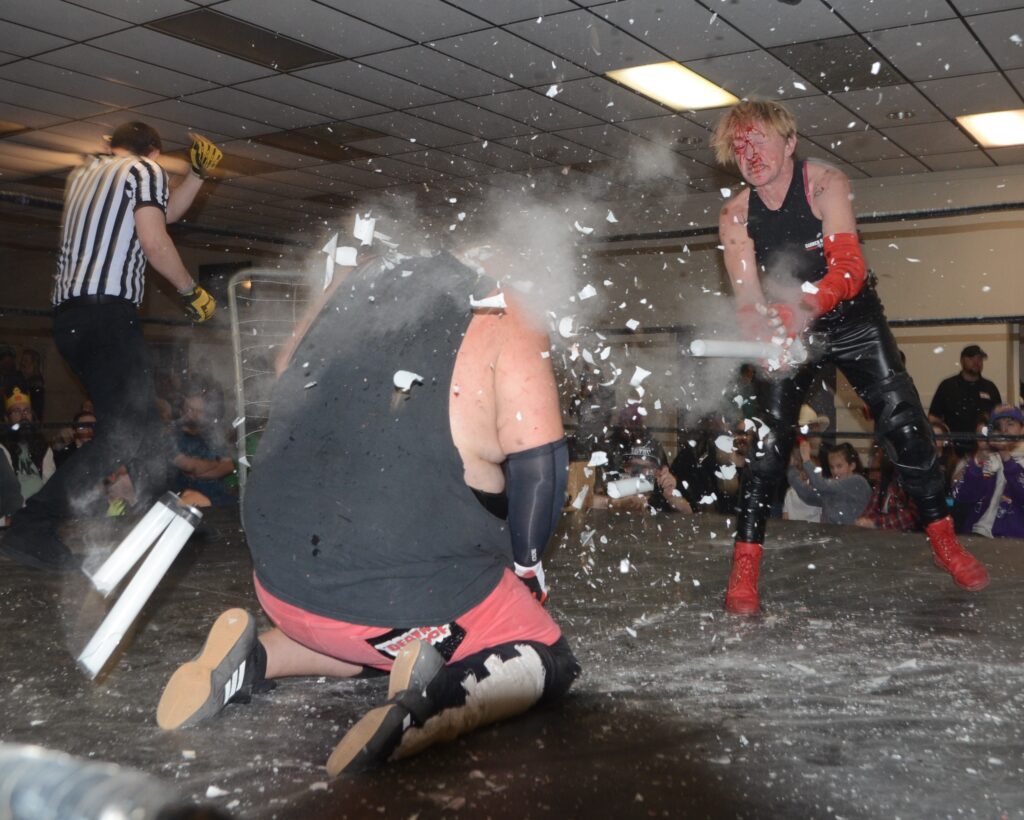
{"x": 116, "y": 210}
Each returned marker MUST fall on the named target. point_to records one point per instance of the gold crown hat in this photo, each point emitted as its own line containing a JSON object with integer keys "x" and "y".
{"x": 808, "y": 415}
{"x": 16, "y": 398}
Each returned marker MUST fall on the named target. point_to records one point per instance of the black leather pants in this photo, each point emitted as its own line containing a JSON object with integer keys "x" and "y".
{"x": 856, "y": 338}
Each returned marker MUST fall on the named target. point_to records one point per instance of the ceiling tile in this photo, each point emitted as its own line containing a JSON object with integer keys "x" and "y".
{"x": 251, "y": 107}
{"x": 502, "y": 13}
{"x": 896, "y": 167}
{"x": 587, "y": 40}
{"x": 776, "y": 24}
{"x": 672, "y": 131}
{"x": 932, "y": 50}
{"x": 53, "y": 78}
{"x": 50, "y": 101}
{"x": 386, "y": 146}
{"x": 194, "y": 117}
{"x": 8, "y": 58}
{"x": 1017, "y": 78}
{"x": 823, "y": 115}
{"x": 859, "y": 147}
{"x": 396, "y": 169}
{"x": 929, "y": 138}
{"x": 61, "y": 19}
{"x": 140, "y": 11}
{"x": 25, "y": 41}
{"x": 268, "y": 153}
{"x": 120, "y": 69}
{"x": 608, "y": 101}
{"x": 754, "y": 75}
{"x": 1012, "y": 155}
{"x": 152, "y": 47}
{"x": 881, "y": 107}
{"x": 681, "y": 31}
{"x": 472, "y": 120}
{"x": 971, "y": 95}
{"x": 333, "y": 105}
{"x": 428, "y": 67}
{"x": 511, "y": 57}
{"x": 996, "y": 32}
{"x": 535, "y": 109}
{"x": 368, "y": 83}
{"x": 958, "y": 160}
{"x": 350, "y": 174}
{"x": 423, "y": 133}
{"x": 840, "y": 64}
{"x": 418, "y": 20}
{"x": 312, "y": 23}
{"x": 446, "y": 163}
{"x": 608, "y": 139}
{"x": 553, "y": 149}
{"x": 876, "y": 14}
{"x": 81, "y": 136}
{"x": 496, "y": 155}
{"x": 982, "y": 6}
{"x": 27, "y": 116}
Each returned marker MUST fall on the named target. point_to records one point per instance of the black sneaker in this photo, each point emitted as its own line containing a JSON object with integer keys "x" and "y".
{"x": 38, "y": 547}
{"x": 225, "y": 671}
{"x": 376, "y": 735}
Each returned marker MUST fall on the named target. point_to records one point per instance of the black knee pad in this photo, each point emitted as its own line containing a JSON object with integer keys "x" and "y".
{"x": 560, "y": 666}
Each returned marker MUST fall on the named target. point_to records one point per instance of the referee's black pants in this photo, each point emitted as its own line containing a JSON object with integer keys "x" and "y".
{"x": 856, "y": 338}
{"x": 104, "y": 346}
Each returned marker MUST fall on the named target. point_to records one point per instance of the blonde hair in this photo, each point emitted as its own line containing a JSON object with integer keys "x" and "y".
{"x": 774, "y": 115}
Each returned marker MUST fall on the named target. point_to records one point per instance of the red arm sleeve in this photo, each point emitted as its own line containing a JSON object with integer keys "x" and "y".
{"x": 845, "y": 277}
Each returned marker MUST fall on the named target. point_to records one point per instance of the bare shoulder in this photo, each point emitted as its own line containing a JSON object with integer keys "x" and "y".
{"x": 823, "y": 178}
{"x": 734, "y": 213}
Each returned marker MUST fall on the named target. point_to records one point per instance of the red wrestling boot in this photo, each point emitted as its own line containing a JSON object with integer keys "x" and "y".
{"x": 741, "y": 596}
{"x": 966, "y": 570}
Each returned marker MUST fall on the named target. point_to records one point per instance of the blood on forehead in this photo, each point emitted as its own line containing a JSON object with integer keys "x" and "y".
{"x": 747, "y": 137}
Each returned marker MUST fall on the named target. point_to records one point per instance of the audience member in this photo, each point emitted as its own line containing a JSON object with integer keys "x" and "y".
{"x": 993, "y": 483}
{"x": 890, "y": 508}
{"x": 843, "y": 497}
{"x": 960, "y": 399}
{"x": 24, "y": 447}
{"x": 202, "y": 456}
{"x": 811, "y": 425}
{"x": 10, "y": 493}
{"x": 80, "y": 434}
{"x": 698, "y": 465}
{"x": 971, "y": 499}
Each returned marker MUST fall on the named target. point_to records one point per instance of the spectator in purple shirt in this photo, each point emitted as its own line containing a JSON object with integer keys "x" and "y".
{"x": 993, "y": 483}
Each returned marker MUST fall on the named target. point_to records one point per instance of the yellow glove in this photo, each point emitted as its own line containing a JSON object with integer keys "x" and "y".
{"x": 204, "y": 155}
{"x": 199, "y": 305}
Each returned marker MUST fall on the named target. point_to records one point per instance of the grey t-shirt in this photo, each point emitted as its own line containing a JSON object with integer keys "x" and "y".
{"x": 357, "y": 509}
{"x": 841, "y": 500}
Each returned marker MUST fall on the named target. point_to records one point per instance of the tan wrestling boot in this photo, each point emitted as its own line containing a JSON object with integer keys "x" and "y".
{"x": 222, "y": 672}
{"x": 967, "y": 571}
{"x": 376, "y": 735}
{"x": 741, "y": 595}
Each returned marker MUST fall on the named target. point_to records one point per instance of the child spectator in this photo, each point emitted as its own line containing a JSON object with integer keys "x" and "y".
{"x": 843, "y": 497}
{"x": 890, "y": 508}
{"x": 994, "y": 484}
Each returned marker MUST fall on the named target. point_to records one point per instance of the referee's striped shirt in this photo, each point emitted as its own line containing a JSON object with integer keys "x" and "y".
{"x": 100, "y": 251}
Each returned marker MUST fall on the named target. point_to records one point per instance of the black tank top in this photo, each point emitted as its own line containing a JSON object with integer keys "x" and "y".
{"x": 787, "y": 242}
{"x": 357, "y": 509}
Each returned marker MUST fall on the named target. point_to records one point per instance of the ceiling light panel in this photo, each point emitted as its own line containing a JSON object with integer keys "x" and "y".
{"x": 674, "y": 86}
{"x": 995, "y": 129}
